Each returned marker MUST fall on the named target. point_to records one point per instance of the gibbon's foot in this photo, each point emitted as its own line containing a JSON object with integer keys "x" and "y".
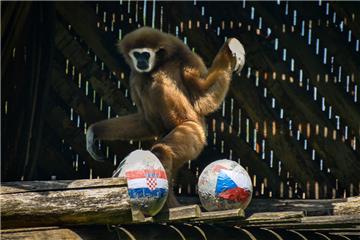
{"x": 91, "y": 146}
{"x": 238, "y": 52}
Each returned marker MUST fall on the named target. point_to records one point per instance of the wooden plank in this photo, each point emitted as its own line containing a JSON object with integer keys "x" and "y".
{"x": 178, "y": 214}
{"x": 39, "y": 234}
{"x": 331, "y": 220}
{"x": 271, "y": 217}
{"x": 34, "y": 186}
{"x": 351, "y": 206}
{"x": 45, "y": 233}
{"x": 333, "y": 229}
{"x": 344, "y": 233}
{"x": 310, "y": 207}
{"x": 313, "y": 222}
{"x": 101, "y": 201}
{"x": 232, "y": 214}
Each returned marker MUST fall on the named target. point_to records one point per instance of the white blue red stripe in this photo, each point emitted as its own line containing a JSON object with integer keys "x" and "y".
{"x": 147, "y": 183}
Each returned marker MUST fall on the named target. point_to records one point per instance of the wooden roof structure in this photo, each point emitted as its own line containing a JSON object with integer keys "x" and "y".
{"x": 292, "y": 118}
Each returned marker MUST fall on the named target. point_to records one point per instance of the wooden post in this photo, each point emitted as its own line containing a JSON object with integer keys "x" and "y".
{"x": 66, "y": 202}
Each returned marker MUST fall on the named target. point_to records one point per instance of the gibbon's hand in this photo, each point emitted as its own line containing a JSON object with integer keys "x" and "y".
{"x": 91, "y": 146}
{"x": 238, "y": 52}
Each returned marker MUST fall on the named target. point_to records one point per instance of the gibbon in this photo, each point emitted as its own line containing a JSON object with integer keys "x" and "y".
{"x": 173, "y": 91}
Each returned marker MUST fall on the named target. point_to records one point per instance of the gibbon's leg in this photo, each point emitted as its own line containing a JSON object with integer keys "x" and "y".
{"x": 183, "y": 143}
{"x": 121, "y": 128}
{"x": 231, "y": 57}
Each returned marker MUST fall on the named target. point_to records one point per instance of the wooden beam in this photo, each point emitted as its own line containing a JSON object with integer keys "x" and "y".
{"x": 272, "y": 217}
{"x": 40, "y": 186}
{"x": 221, "y": 216}
{"x": 72, "y": 50}
{"x": 311, "y": 66}
{"x": 39, "y": 233}
{"x": 54, "y": 162}
{"x": 331, "y": 220}
{"x": 75, "y": 137}
{"x": 74, "y": 97}
{"x": 351, "y": 206}
{"x": 178, "y": 214}
{"x": 309, "y": 207}
{"x": 82, "y": 105}
{"x": 45, "y": 233}
{"x": 48, "y": 203}
{"x": 75, "y": 13}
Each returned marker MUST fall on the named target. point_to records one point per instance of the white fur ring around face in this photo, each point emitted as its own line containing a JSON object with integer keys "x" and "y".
{"x": 238, "y": 52}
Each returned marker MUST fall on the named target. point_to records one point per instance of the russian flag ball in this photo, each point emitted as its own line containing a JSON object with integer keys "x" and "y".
{"x": 231, "y": 186}
{"x": 147, "y": 183}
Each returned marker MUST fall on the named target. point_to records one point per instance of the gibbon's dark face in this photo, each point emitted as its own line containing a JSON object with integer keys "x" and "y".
{"x": 145, "y": 48}
{"x": 143, "y": 59}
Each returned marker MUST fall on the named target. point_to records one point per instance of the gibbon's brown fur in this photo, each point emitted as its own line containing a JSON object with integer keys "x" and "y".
{"x": 172, "y": 99}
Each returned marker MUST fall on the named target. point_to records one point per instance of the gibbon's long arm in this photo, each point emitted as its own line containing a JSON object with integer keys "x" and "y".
{"x": 213, "y": 88}
{"x": 122, "y": 128}
{"x": 231, "y": 56}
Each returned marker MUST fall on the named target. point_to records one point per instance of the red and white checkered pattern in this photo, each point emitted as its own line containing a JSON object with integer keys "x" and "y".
{"x": 151, "y": 182}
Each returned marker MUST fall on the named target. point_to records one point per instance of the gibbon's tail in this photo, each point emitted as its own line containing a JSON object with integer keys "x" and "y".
{"x": 230, "y": 58}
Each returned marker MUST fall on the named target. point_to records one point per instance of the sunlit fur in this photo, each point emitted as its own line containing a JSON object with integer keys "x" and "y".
{"x": 172, "y": 98}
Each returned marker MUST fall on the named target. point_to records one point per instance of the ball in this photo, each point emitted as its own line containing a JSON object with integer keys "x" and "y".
{"x": 224, "y": 185}
{"x": 147, "y": 181}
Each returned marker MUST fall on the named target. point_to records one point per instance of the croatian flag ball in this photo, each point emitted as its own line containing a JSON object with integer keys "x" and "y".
{"x": 224, "y": 185}
{"x": 147, "y": 181}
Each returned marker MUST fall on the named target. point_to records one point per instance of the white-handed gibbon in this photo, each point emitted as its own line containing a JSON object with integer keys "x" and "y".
{"x": 173, "y": 91}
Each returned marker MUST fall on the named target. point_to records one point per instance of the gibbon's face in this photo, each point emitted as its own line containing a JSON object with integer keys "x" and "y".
{"x": 143, "y": 59}
{"x": 145, "y": 49}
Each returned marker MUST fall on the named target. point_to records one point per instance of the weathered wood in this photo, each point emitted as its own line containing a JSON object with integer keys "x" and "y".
{"x": 100, "y": 201}
{"x": 15, "y": 21}
{"x": 35, "y": 186}
{"x": 72, "y": 50}
{"x": 82, "y": 105}
{"x": 75, "y": 137}
{"x": 270, "y": 217}
{"x": 45, "y": 233}
{"x": 309, "y": 207}
{"x": 39, "y": 234}
{"x": 313, "y": 222}
{"x": 75, "y": 13}
{"x": 232, "y": 214}
{"x": 344, "y": 233}
{"x": 331, "y": 220}
{"x": 178, "y": 214}
{"x": 351, "y": 207}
